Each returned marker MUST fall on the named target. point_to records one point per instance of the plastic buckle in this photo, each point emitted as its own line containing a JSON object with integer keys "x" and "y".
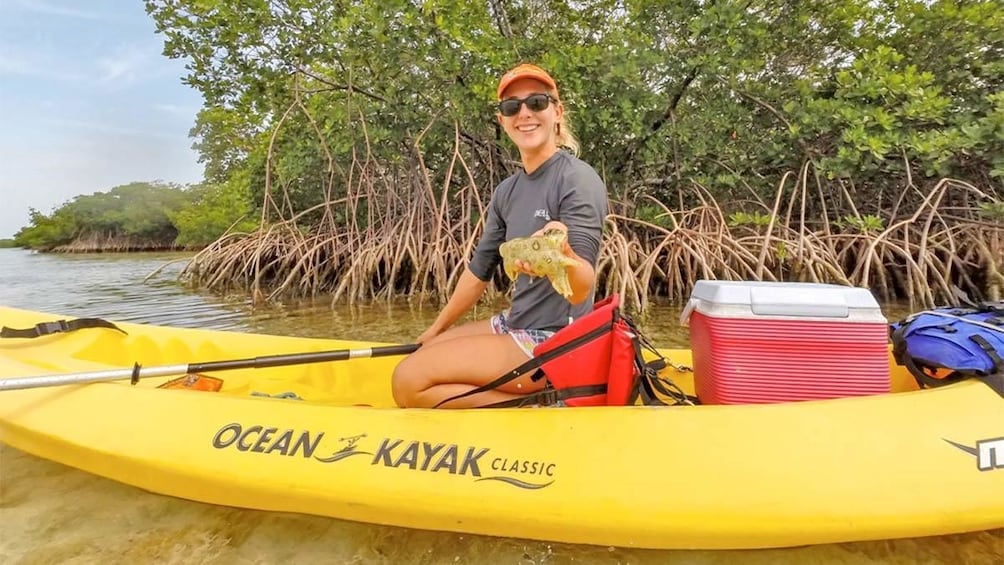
{"x": 548, "y": 397}
{"x": 46, "y": 328}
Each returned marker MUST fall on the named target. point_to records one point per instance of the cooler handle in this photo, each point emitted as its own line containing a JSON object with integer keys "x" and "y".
{"x": 687, "y": 311}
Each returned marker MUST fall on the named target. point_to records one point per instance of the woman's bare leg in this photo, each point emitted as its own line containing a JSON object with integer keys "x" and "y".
{"x": 451, "y": 365}
{"x": 479, "y": 327}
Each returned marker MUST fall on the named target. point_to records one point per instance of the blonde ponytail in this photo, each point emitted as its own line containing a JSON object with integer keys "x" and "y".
{"x": 566, "y": 137}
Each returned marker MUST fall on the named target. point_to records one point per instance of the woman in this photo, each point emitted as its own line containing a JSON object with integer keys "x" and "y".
{"x": 554, "y": 190}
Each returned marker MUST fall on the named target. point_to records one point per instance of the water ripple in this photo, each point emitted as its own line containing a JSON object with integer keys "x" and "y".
{"x": 113, "y": 286}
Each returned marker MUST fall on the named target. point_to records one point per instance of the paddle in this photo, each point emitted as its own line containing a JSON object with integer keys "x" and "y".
{"x": 137, "y": 372}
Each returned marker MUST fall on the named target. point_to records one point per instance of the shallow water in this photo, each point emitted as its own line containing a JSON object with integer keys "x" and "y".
{"x": 50, "y": 513}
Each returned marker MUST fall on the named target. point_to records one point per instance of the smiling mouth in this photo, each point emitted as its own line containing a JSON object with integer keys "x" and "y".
{"x": 528, "y": 127}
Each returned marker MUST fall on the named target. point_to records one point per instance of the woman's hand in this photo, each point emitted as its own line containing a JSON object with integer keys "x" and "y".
{"x": 566, "y": 249}
{"x": 552, "y": 225}
{"x": 429, "y": 334}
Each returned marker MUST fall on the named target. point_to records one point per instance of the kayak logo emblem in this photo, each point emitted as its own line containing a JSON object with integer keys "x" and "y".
{"x": 989, "y": 453}
{"x": 347, "y": 450}
{"x": 451, "y": 458}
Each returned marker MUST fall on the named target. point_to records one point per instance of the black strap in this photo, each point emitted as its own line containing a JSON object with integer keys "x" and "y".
{"x": 47, "y": 328}
{"x": 534, "y": 363}
{"x": 995, "y": 380}
{"x": 925, "y": 380}
{"x": 649, "y": 384}
{"x": 898, "y": 338}
{"x": 550, "y": 396}
{"x": 990, "y": 351}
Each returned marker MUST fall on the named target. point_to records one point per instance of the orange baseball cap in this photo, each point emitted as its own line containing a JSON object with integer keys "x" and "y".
{"x": 526, "y": 71}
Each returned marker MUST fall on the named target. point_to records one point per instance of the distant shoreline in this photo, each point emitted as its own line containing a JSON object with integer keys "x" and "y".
{"x": 95, "y": 243}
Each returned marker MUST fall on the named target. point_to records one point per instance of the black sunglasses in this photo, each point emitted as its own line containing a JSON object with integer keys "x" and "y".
{"x": 535, "y": 102}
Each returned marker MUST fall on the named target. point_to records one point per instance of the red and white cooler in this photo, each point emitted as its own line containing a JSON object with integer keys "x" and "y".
{"x": 766, "y": 342}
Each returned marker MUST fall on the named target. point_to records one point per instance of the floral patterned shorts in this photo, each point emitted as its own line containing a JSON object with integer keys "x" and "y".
{"x": 525, "y": 339}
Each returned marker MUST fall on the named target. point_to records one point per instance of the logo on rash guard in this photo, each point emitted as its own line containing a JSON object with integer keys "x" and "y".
{"x": 542, "y": 213}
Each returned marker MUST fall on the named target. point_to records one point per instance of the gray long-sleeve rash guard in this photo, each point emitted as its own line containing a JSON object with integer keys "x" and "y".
{"x": 565, "y": 189}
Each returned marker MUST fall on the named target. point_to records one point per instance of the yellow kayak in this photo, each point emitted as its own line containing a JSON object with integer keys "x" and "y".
{"x": 324, "y": 438}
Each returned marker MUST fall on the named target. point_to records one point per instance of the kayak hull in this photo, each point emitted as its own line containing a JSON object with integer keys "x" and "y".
{"x": 298, "y": 439}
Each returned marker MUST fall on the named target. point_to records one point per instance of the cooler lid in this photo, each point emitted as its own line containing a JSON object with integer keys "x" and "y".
{"x": 769, "y": 298}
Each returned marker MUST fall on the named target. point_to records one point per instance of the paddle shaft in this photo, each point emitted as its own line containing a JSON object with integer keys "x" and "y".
{"x": 138, "y": 372}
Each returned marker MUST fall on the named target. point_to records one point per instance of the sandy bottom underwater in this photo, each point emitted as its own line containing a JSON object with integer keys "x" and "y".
{"x": 50, "y": 513}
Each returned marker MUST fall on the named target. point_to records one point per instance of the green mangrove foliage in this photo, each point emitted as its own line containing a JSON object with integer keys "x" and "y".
{"x": 137, "y": 216}
{"x": 211, "y": 211}
{"x": 762, "y": 138}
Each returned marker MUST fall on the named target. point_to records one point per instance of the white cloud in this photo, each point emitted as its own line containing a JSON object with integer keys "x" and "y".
{"x": 125, "y": 66}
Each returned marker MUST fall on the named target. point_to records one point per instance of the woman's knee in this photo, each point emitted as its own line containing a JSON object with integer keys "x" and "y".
{"x": 399, "y": 384}
{"x": 405, "y": 383}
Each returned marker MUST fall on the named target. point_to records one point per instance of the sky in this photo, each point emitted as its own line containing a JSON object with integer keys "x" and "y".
{"x": 88, "y": 102}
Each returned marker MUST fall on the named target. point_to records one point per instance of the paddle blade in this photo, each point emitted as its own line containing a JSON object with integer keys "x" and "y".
{"x": 195, "y": 381}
